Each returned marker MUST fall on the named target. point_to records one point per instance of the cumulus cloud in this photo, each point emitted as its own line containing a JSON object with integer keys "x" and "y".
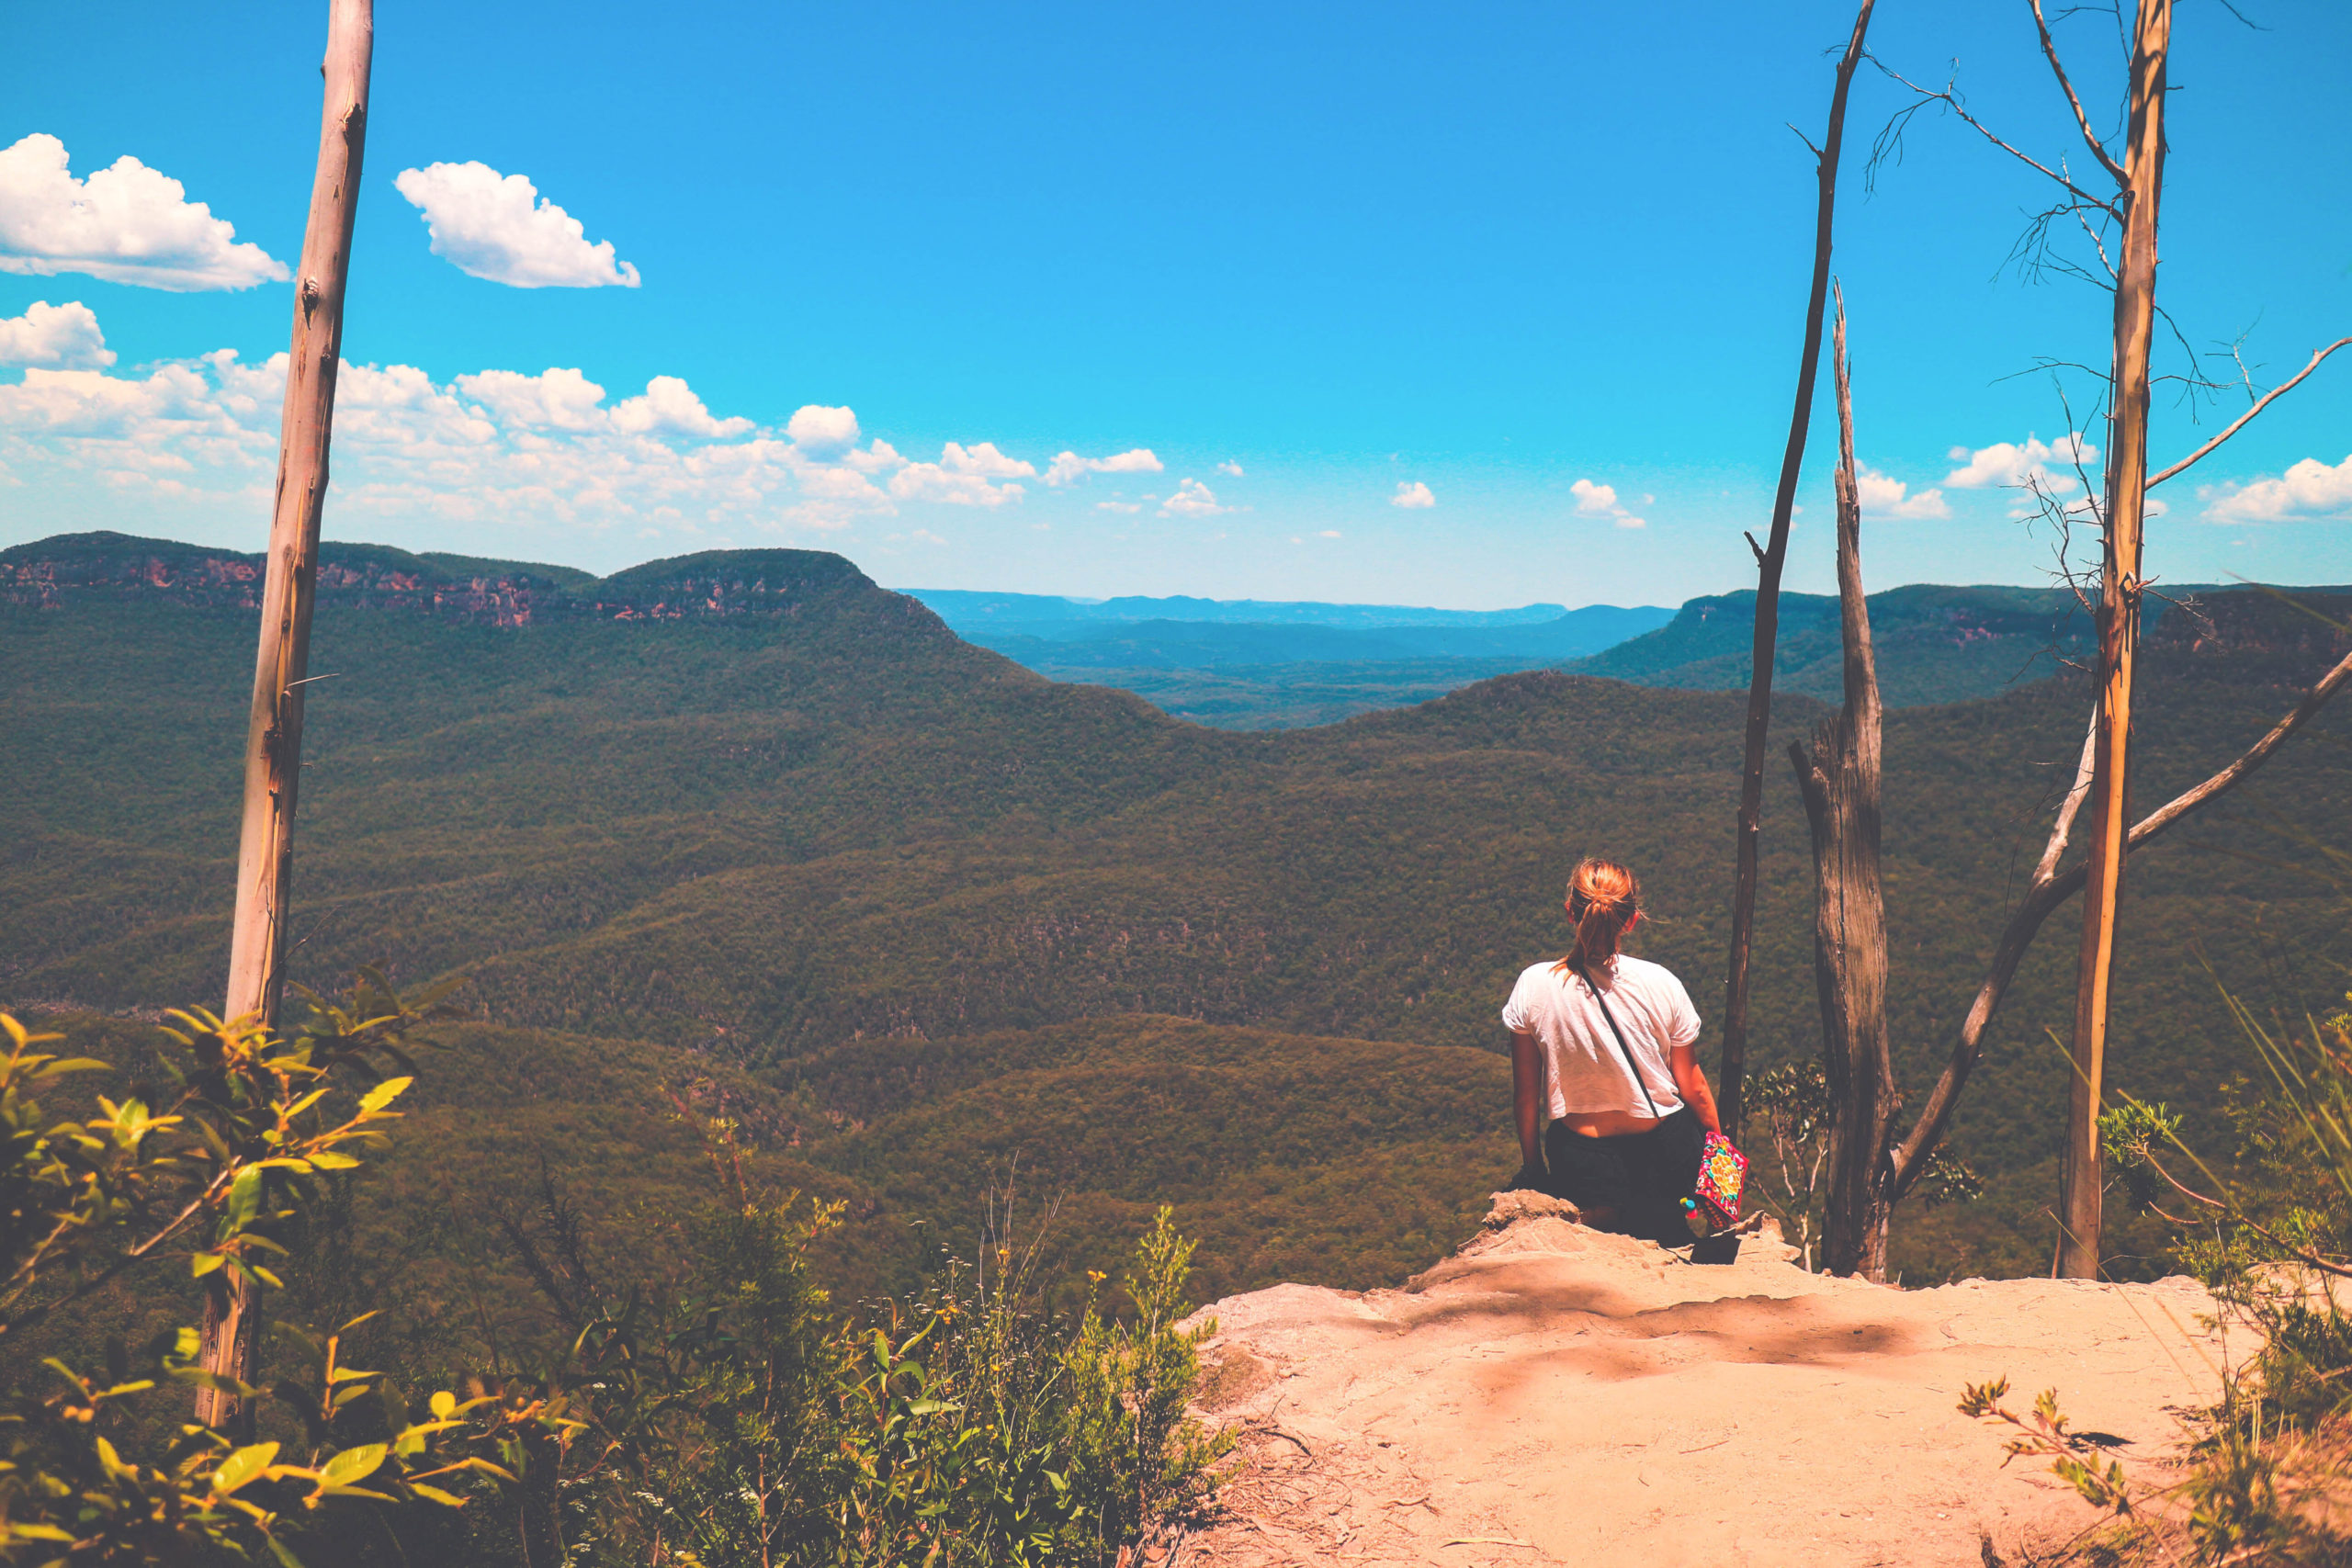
{"x": 878, "y": 458}
{"x": 493, "y": 451}
{"x": 2049, "y": 464}
{"x": 1600, "y": 501}
{"x": 822, "y": 431}
{"x": 552, "y": 399}
{"x": 1885, "y": 496}
{"x": 1230, "y": 468}
{"x": 1068, "y": 467}
{"x": 669, "y": 407}
{"x": 126, "y": 223}
{"x": 62, "y": 337}
{"x": 1118, "y": 506}
{"x": 984, "y": 461}
{"x": 937, "y": 482}
{"x": 1192, "y": 499}
{"x": 2309, "y": 492}
{"x": 497, "y": 227}
{"x": 1413, "y": 493}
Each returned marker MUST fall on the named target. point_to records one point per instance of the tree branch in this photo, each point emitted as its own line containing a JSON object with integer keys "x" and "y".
{"x": 2050, "y": 52}
{"x": 2042, "y": 899}
{"x": 1949, "y": 101}
{"x": 2047, "y": 865}
{"x": 2240, "y": 422}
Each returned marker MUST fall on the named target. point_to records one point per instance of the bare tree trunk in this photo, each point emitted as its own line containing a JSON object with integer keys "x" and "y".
{"x": 230, "y": 1342}
{"x": 1840, "y": 786}
{"x": 2051, "y": 887}
{"x": 2119, "y": 634}
{"x": 1770, "y": 558}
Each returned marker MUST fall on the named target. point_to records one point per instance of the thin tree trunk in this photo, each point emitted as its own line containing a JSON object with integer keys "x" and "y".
{"x": 1840, "y": 787}
{"x": 2051, "y": 887}
{"x": 1770, "y": 558}
{"x": 2118, "y": 634}
{"x": 230, "y": 1342}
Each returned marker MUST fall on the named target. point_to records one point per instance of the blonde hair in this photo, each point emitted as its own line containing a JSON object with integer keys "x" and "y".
{"x": 1603, "y": 899}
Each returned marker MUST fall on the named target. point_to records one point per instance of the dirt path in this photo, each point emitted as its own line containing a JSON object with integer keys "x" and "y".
{"x": 1552, "y": 1394}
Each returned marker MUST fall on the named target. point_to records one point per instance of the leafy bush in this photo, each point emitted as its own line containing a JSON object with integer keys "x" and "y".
{"x": 91, "y": 1467}
{"x": 741, "y": 1422}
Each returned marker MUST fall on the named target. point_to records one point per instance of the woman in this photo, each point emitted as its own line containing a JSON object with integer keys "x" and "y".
{"x": 1624, "y": 1151}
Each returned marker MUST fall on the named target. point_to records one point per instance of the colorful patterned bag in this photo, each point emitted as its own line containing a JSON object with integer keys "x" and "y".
{"x": 1714, "y": 1203}
{"x": 1723, "y": 1177}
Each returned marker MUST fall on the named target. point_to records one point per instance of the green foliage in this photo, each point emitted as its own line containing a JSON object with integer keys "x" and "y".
{"x": 763, "y": 842}
{"x": 90, "y": 1468}
{"x": 739, "y": 1422}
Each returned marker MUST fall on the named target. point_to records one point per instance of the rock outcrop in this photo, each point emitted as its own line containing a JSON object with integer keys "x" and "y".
{"x": 1554, "y": 1394}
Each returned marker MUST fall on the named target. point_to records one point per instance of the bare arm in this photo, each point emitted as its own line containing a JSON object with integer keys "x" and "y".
{"x": 1525, "y": 1111}
{"x": 1690, "y": 1080}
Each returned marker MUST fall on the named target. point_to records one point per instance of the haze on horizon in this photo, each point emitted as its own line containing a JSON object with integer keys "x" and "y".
{"x": 1234, "y": 304}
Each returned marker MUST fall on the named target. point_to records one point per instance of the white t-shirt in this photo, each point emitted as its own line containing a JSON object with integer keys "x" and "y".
{"x": 1582, "y": 1067}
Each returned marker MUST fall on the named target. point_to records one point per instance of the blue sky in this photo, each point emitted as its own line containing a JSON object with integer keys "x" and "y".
{"x": 1540, "y": 265}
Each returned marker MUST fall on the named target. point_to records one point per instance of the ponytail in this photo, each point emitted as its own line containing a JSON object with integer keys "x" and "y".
{"x": 1603, "y": 899}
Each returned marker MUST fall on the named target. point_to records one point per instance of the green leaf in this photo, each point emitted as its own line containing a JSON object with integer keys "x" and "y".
{"x": 326, "y": 1159}
{"x": 38, "y": 1532}
{"x": 245, "y": 1198}
{"x": 112, "y": 1462}
{"x": 383, "y": 1094}
{"x": 431, "y": 1495}
{"x": 353, "y": 1465}
{"x": 443, "y": 1403}
{"x": 243, "y": 1466}
{"x": 204, "y": 1263}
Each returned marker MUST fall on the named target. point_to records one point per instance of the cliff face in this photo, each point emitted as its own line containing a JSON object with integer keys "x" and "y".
{"x": 99, "y": 568}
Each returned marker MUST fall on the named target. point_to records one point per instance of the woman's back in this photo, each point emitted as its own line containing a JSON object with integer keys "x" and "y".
{"x": 1585, "y": 1071}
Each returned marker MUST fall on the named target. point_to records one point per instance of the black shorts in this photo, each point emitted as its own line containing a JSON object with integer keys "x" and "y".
{"x": 1643, "y": 1176}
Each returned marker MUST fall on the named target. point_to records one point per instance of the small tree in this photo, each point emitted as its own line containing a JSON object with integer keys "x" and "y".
{"x": 87, "y": 1472}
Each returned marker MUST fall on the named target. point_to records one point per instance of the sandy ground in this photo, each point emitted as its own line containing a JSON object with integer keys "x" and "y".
{"x": 1554, "y": 1394}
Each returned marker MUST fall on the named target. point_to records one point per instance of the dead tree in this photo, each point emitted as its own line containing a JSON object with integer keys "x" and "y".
{"x": 2101, "y": 776}
{"x": 232, "y": 1332}
{"x": 1839, "y": 783}
{"x": 1770, "y": 555}
{"x": 2140, "y": 183}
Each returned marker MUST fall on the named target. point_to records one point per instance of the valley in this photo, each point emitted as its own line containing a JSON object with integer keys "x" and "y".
{"x": 748, "y": 818}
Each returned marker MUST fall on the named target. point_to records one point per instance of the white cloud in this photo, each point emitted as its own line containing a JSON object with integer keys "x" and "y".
{"x": 820, "y": 431}
{"x": 497, "y": 227}
{"x": 1068, "y": 467}
{"x": 1230, "y": 468}
{"x": 2307, "y": 492}
{"x": 1413, "y": 494}
{"x": 127, "y": 224}
{"x": 63, "y": 337}
{"x": 1600, "y": 501}
{"x": 1118, "y": 506}
{"x": 527, "y": 460}
{"x": 960, "y": 478}
{"x": 552, "y": 399}
{"x": 984, "y": 461}
{"x": 2049, "y": 464}
{"x": 669, "y": 407}
{"x": 1885, "y": 496}
{"x": 878, "y": 458}
{"x": 1328, "y": 534}
{"x": 1192, "y": 499}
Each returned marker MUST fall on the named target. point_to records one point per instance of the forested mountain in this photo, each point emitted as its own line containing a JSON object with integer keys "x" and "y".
{"x": 748, "y": 812}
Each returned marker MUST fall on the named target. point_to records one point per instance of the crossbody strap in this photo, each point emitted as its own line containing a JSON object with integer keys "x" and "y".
{"x": 1623, "y": 1049}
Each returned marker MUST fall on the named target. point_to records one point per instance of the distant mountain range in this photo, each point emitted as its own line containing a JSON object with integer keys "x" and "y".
{"x": 745, "y": 816}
